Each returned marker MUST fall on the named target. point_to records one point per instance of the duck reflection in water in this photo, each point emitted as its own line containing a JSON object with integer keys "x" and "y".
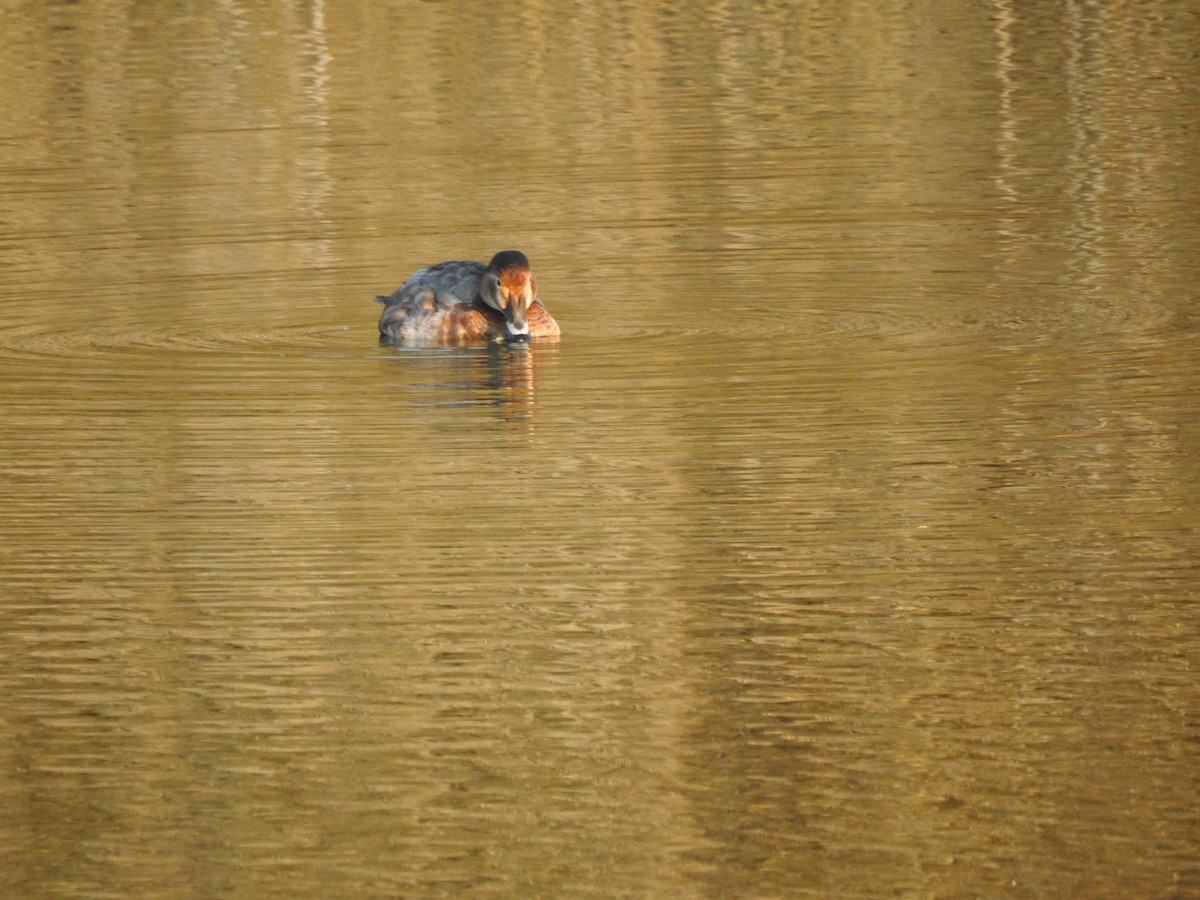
{"x": 456, "y": 303}
{"x": 499, "y": 375}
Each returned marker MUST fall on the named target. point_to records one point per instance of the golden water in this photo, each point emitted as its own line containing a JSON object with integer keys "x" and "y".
{"x": 846, "y": 545}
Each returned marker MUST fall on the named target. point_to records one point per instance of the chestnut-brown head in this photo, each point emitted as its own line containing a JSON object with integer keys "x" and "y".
{"x": 509, "y": 286}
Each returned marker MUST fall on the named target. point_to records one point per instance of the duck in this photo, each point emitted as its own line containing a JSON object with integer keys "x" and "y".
{"x": 461, "y": 302}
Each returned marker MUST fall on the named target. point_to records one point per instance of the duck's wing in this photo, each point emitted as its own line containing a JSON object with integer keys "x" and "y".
{"x": 445, "y": 284}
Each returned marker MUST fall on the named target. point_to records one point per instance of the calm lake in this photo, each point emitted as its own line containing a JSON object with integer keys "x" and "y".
{"x": 846, "y": 545}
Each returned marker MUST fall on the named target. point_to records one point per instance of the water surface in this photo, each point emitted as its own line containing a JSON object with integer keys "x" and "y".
{"x": 844, "y": 546}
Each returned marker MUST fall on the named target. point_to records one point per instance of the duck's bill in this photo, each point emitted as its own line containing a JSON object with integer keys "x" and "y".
{"x": 516, "y": 322}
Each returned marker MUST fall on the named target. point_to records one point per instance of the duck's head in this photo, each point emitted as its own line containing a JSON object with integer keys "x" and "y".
{"x": 509, "y": 286}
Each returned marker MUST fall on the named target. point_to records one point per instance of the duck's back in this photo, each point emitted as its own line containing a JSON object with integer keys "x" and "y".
{"x": 445, "y": 284}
